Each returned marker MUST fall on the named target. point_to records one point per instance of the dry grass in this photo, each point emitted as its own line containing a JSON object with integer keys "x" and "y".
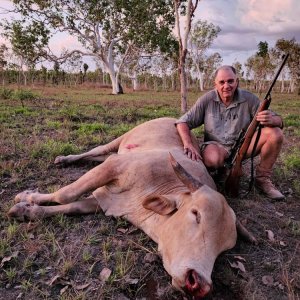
{"x": 64, "y": 257}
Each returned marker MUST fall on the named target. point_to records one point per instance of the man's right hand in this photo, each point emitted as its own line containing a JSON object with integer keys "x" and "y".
{"x": 188, "y": 147}
{"x": 192, "y": 153}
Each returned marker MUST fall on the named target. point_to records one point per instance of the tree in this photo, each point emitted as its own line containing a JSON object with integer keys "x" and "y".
{"x": 202, "y": 36}
{"x": 260, "y": 66}
{"x": 210, "y": 64}
{"x": 3, "y": 61}
{"x": 239, "y": 68}
{"x": 186, "y": 8}
{"x": 282, "y": 47}
{"x": 263, "y": 48}
{"x": 85, "y": 68}
{"x": 105, "y": 28}
{"x": 28, "y": 43}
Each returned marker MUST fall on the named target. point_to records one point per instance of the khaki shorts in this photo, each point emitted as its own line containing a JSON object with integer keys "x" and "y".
{"x": 203, "y": 146}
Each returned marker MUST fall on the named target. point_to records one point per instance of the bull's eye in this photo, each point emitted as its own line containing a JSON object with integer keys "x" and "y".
{"x": 197, "y": 215}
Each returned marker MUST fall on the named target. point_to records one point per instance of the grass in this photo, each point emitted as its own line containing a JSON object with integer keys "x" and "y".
{"x": 61, "y": 121}
{"x": 52, "y": 148}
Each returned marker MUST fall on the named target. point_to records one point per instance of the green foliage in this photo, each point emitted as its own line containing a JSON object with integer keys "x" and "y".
{"x": 6, "y": 93}
{"x": 28, "y": 40}
{"x": 263, "y": 49}
{"x": 23, "y": 95}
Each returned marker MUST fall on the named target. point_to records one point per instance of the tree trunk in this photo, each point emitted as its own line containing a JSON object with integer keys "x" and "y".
{"x": 174, "y": 81}
{"x": 200, "y": 76}
{"x": 135, "y": 82}
{"x": 282, "y": 83}
{"x": 183, "y": 81}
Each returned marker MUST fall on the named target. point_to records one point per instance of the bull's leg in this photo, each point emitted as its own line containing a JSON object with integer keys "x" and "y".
{"x": 90, "y": 181}
{"x": 99, "y": 153}
{"x": 25, "y": 211}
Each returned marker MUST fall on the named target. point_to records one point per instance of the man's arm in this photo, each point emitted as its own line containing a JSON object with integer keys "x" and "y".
{"x": 188, "y": 147}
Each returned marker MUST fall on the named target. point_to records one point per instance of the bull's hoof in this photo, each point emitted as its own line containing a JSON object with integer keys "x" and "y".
{"x": 59, "y": 160}
{"x": 26, "y": 196}
{"x": 25, "y": 211}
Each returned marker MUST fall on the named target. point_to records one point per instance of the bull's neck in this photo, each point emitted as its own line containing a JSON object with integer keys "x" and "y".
{"x": 150, "y": 223}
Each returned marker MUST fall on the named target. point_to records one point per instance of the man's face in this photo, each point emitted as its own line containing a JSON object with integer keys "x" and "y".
{"x": 226, "y": 83}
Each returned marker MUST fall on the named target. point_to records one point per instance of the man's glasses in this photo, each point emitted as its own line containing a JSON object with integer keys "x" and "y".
{"x": 229, "y": 81}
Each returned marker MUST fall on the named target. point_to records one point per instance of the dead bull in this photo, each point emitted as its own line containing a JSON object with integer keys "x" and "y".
{"x": 191, "y": 222}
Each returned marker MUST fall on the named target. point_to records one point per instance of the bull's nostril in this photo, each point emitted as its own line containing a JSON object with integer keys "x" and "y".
{"x": 196, "y": 285}
{"x": 192, "y": 280}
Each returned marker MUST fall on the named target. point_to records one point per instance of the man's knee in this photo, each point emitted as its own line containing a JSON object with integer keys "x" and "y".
{"x": 213, "y": 158}
{"x": 273, "y": 135}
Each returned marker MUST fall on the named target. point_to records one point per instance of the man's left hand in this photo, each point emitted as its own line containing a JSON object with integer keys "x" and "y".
{"x": 266, "y": 118}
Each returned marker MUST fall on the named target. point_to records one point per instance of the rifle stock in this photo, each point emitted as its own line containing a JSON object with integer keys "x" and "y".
{"x": 233, "y": 180}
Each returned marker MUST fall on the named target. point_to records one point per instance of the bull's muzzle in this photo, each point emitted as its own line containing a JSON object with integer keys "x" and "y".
{"x": 196, "y": 286}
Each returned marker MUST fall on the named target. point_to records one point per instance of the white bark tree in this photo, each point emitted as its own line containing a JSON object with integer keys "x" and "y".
{"x": 201, "y": 38}
{"x": 183, "y": 27}
{"x": 105, "y": 29}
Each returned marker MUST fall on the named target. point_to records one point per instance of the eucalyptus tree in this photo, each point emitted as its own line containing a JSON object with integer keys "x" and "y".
{"x": 201, "y": 38}
{"x": 260, "y": 66}
{"x": 28, "y": 42}
{"x": 210, "y": 64}
{"x": 185, "y": 9}
{"x": 135, "y": 65}
{"x": 239, "y": 69}
{"x": 3, "y": 61}
{"x": 105, "y": 28}
{"x": 282, "y": 47}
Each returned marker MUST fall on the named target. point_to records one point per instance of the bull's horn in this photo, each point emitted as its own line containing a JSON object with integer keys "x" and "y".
{"x": 244, "y": 233}
{"x": 192, "y": 183}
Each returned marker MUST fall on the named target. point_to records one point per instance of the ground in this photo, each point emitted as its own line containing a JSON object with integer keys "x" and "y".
{"x": 99, "y": 257}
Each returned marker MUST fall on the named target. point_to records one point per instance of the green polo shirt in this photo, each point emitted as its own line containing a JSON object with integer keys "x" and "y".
{"x": 222, "y": 124}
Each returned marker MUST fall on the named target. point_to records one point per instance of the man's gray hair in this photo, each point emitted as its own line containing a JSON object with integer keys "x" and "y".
{"x": 224, "y": 68}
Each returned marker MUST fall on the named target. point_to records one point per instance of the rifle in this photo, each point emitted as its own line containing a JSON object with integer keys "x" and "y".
{"x": 241, "y": 145}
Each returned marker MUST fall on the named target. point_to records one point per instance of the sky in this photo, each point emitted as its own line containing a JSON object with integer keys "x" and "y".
{"x": 243, "y": 23}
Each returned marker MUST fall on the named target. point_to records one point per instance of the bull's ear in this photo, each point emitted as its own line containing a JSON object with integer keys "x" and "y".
{"x": 161, "y": 204}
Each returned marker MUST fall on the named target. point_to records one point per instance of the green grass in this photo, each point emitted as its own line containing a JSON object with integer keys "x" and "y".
{"x": 51, "y": 148}
{"x": 91, "y": 128}
{"x": 291, "y": 160}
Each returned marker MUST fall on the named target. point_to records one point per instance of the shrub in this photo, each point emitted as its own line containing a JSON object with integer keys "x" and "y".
{"x": 5, "y": 93}
{"x": 23, "y": 95}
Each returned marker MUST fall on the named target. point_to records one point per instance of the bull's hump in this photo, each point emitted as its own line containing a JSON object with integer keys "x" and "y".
{"x": 155, "y": 134}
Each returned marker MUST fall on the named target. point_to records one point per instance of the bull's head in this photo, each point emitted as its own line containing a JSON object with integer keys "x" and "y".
{"x": 201, "y": 226}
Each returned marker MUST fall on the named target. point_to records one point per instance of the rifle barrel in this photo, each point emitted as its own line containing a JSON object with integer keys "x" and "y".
{"x": 277, "y": 74}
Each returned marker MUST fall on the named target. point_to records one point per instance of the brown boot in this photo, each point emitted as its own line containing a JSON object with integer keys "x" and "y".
{"x": 264, "y": 184}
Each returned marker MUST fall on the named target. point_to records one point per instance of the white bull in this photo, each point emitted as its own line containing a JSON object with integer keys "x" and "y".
{"x": 191, "y": 222}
